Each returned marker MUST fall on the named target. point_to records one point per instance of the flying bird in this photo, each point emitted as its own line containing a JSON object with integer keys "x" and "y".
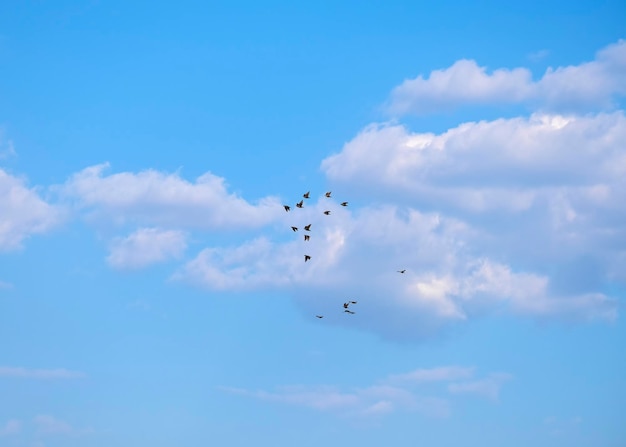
{"x": 306, "y": 237}
{"x": 402, "y": 271}
{"x": 345, "y": 305}
{"x": 294, "y": 228}
{"x": 327, "y": 194}
{"x": 353, "y": 302}
{"x": 307, "y": 227}
{"x": 327, "y": 212}
{"x": 306, "y": 196}
{"x": 287, "y": 208}
{"x": 299, "y": 204}
{"x": 349, "y": 311}
{"x": 306, "y": 258}
{"x": 319, "y": 316}
{"x": 344, "y": 203}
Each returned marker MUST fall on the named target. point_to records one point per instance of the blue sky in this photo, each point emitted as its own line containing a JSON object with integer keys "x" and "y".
{"x": 153, "y": 293}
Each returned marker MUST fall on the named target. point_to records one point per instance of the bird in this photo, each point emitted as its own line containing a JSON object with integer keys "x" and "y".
{"x": 353, "y": 302}
{"x": 294, "y": 228}
{"x": 306, "y": 196}
{"x": 307, "y": 227}
{"x": 349, "y": 311}
{"x": 402, "y": 271}
{"x": 299, "y": 204}
{"x": 319, "y": 316}
{"x": 306, "y": 258}
{"x": 344, "y": 203}
{"x": 327, "y": 212}
{"x": 345, "y": 305}
{"x": 327, "y": 194}
{"x": 287, "y": 208}
{"x": 306, "y": 237}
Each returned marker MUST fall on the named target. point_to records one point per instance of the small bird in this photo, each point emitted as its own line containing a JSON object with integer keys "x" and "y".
{"x": 349, "y": 311}
{"x": 299, "y": 204}
{"x": 294, "y": 228}
{"x": 319, "y": 316}
{"x": 344, "y": 203}
{"x": 287, "y": 208}
{"x": 402, "y": 271}
{"x": 307, "y": 227}
{"x": 353, "y": 302}
{"x": 327, "y": 212}
{"x": 306, "y": 258}
{"x": 306, "y": 196}
{"x": 306, "y": 237}
{"x": 345, "y": 305}
{"x": 327, "y": 194}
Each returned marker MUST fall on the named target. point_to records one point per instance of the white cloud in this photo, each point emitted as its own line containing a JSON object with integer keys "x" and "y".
{"x": 52, "y": 426}
{"x": 398, "y": 392}
{"x": 12, "y": 427}
{"x": 26, "y": 373}
{"x": 146, "y": 246}
{"x": 442, "y": 373}
{"x": 488, "y": 387}
{"x": 358, "y": 256}
{"x": 159, "y": 199}
{"x": 588, "y": 85}
{"x": 22, "y": 212}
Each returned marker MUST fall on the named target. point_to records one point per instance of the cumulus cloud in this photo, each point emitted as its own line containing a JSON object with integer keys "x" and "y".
{"x": 159, "y": 199}
{"x": 29, "y": 373}
{"x": 22, "y": 212}
{"x": 146, "y": 246}
{"x": 358, "y": 256}
{"x": 592, "y": 85}
{"x": 397, "y": 392}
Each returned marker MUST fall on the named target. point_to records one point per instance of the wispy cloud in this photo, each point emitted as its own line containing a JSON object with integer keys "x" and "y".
{"x": 11, "y": 427}
{"x": 26, "y": 373}
{"x": 146, "y": 246}
{"x": 398, "y": 392}
{"x": 51, "y": 426}
{"x": 580, "y": 87}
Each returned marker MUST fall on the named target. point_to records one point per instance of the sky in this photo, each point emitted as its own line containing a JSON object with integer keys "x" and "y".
{"x": 153, "y": 292}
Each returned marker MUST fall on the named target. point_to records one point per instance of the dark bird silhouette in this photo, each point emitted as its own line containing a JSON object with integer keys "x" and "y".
{"x": 319, "y": 316}
{"x": 306, "y": 237}
{"x": 349, "y": 311}
{"x": 294, "y": 228}
{"x": 327, "y": 194}
{"x": 344, "y": 203}
{"x": 299, "y": 204}
{"x": 306, "y": 258}
{"x": 402, "y": 271}
{"x": 327, "y": 212}
{"x": 287, "y": 208}
{"x": 307, "y": 227}
{"x": 353, "y": 302}
{"x": 345, "y": 305}
{"x": 306, "y": 196}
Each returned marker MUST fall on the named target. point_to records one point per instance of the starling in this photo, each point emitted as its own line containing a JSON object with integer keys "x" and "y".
{"x": 306, "y": 258}
{"x": 287, "y": 208}
{"x": 299, "y": 204}
{"x": 294, "y": 228}
{"x": 327, "y": 212}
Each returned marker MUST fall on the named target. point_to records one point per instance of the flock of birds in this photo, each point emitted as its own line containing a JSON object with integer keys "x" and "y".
{"x": 307, "y": 237}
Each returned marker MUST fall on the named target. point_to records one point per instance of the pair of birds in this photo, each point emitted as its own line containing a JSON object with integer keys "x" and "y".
{"x": 345, "y": 308}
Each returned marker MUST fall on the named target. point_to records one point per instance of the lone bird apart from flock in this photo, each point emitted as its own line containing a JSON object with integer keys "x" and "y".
{"x": 287, "y": 207}
{"x": 306, "y": 258}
